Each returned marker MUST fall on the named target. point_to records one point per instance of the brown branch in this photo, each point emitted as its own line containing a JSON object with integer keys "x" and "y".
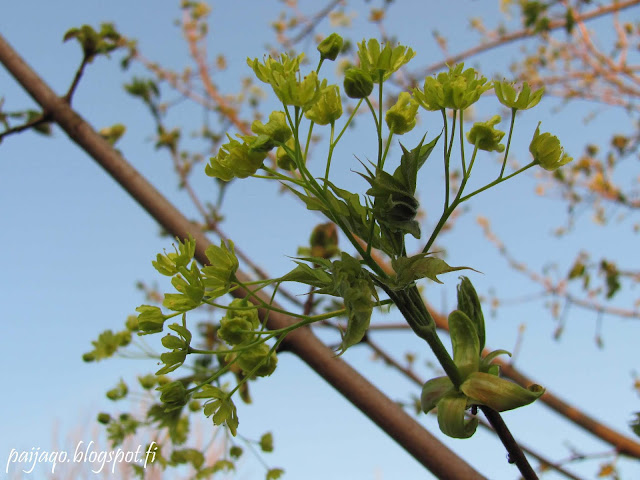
{"x": 522, "y": 34}
{"x": 423, "y": 446}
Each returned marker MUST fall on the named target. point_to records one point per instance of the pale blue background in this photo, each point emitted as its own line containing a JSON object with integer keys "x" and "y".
{"x": 74, "y": 245}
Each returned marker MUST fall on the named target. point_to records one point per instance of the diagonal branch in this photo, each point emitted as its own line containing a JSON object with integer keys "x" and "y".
{"x": 522, "y": 34}
{"x": 427, "y": 449}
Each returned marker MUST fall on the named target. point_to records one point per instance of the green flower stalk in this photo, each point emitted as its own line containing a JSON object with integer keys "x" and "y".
{"x": 484, "y": 136}
{"x": 547, "y": 152}
{"x": 328, "y": 107}
{"x": 330, "y": 47}
{"x": 381, "y": 63}
{"x": 357, "y": 83}
{"x": 457, "y": 89}
{"x": 525, "y": 100}
{"x": 401, "y": 118}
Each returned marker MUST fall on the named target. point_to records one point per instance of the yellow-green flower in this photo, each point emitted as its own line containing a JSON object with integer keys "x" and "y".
{"x": 456, "y": 89}
{"x": 276, "y": 128}
{"x": 526, "y": 99}
{"x": 382, "y": 61}
{"x": 485, "y": 137}
{"x": 401, "y": 118}
{"x": 328, "y": 107}
{"x": 547, "y": 152}
{"x": 283, "y": 76}
{"x": 235, "y": 159}
{"x": 221, "y": 270}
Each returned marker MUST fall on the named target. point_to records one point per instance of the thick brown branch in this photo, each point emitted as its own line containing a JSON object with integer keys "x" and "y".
{"x": 429, "y": 451}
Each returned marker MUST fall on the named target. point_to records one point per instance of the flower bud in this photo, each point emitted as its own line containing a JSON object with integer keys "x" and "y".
{"x": 357, "y": 83}
{"x": 174, "y": 395}
{"x": 330, "y": 47}
{"x": 324, "y": 240}
{"x": 283, "y": 159}
{"x": 401, "y": 118}
{"x": 485, "y": 137}
{"x": 469, "y": 303}
{"x": 276, "y": 129}
{"x": 547, "y": 152}
{"x": 150, "y": 319}
{"x": 258, "y": 357}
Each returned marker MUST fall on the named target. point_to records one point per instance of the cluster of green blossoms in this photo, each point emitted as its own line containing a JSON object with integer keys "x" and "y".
{"x": 389, "y": 214}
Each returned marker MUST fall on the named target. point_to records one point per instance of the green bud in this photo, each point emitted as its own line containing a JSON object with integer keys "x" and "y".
{"x": 148, "y": 381}
{"x": 238, "y": 326}
{"x": 357, "y": 83}
{"x": 469, "y": 303}
{"x": 498, "y": 393}
{"x": 132, "y": 323}
{"x": 104, "y": 418}
{"x": 259, "y": 357}
{"x": 328, "y": 108}
{"x": 330, "y": 47}
{"x": 485, "y": 137}
{"x": 401, "y": 118}
{"x": 118, "y": 392}
{"x": 283, "y": 159}
{"x": 547, "y": 152}
{"x": 526, "y": 98}
{"x": 150, "y": 319}
{"x": 174, "y": 395}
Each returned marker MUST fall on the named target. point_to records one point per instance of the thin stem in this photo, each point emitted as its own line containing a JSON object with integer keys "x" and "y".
{"x": 497, "y": 181}
{"x": 506, "y": 153}
{"x": 515, "y": 452}
{"x": 446, "y": 158}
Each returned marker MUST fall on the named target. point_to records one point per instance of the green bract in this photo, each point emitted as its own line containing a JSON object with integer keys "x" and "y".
{"x": 485, "y": 137}
{"x": 236, "y": 159}
{"x": 401, "y": 118}
{"x": 357, "y": 83}
{"x": 328, "y": 107}
{"x": 381, "y": 63}
{"x": 526, "y": 98}
{"x": 546, "y": 150}
{"x": 456, "y": 89}
{"x": 221, "y": 271}
{"x": 480, "y": 383}
{"x": 330, "y": 47}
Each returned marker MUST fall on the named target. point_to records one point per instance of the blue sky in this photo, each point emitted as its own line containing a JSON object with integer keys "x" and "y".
{"x": 75, "y": 244}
